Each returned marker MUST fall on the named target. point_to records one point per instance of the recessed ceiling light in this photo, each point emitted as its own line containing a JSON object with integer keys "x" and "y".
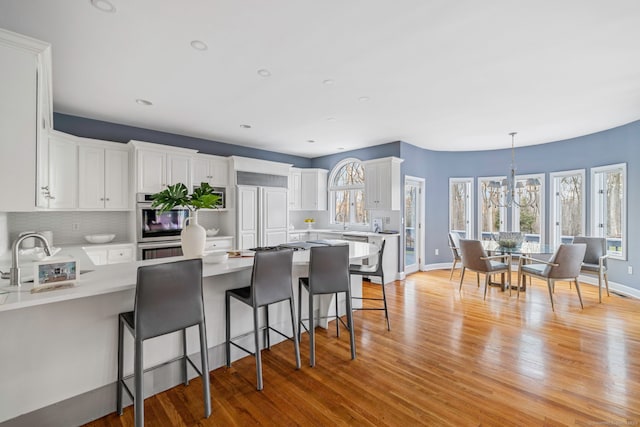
{"x": 245, "y": 126}
{"x": 103, "y": 5}
{"x": 263, "y": 72}
{"x": 364, "y": 99}
{"x": 340, "y": 148}
{"x": 199, "y": 45}
{"x": 327, "y": 82}
{"x": 311, "y": 141}
{"x": 141, "y": 101}
{"x": 331, "y": 119}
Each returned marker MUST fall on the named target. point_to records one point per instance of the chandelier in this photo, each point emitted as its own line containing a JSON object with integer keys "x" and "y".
{"x": 510, "y": 192}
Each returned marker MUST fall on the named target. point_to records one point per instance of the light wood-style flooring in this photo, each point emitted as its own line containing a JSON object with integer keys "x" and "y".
{"x": 451, "y": 358}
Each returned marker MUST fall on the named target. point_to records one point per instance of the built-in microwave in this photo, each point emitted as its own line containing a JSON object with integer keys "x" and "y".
{"x": 153, "y": 225}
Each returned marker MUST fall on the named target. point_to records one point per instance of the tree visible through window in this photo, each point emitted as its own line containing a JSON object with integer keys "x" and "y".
{"x": 608, "y": 186}
{"x": 567, "y": 206}
{"x": 460, "y": 202}
{"x": 346, "y": 192}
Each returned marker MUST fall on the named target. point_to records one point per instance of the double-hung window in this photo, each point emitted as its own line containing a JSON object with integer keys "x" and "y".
{"x": 608, "y": 207}
{"x": 461, "y": 206}
{"x": 528, "y": 211}
{"x": 492, "y": 219}
{"x": 567, "y": 206}
{"x": 346, "y": 193}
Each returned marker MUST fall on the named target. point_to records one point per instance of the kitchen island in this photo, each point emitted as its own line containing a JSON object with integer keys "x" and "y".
{"x": 59, "y": 347}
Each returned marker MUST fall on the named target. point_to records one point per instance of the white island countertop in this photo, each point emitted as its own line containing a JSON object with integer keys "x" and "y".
{"x": 103, "y": 279}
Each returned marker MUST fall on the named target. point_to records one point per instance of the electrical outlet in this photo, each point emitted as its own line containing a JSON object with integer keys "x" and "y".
{"x": 630, "y": 270}
{"x": 75, "y": 226}
{"x": 437, "y": 251}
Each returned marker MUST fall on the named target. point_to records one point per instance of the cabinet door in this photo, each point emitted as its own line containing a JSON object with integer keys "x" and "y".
{"x": 178, "y": 170}
{"x": 116, "y": 179}
{"x": 91, "y": 178}
{"x": 247, "y": 217}
{"x": 201, "y": 171}
{"x": 219, "y": 172}
{"x": 309, "y": 193}
{"x": 63, "y": 174}
{"x": 371, "y": 188}
{"x": 295, "y": 190}
{"x": 97, "y": 256}
{"x": 383, "y": 182}
{"x": 121, "y": 254}
{"x": 152, "y": 169}
{"x": 274, "y": 218}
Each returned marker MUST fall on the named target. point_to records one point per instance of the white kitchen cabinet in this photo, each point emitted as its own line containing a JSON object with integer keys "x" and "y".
{"x": 219, "y": 243}
{"x": 314, "y": 190}
{"x": 25, "y": 117}
{"x": 158, "y": 166}
{"x": 103, "y": 176}
{"x": 382, "y": 186}
{"x": 111, "y": 254}
{"x": 214, "y": 170}
{"x": 262, "y": 216}
{"x": 295, "y": 189}
{"x": 63, "y": 173}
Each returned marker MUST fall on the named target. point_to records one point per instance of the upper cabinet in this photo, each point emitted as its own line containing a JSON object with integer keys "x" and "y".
{"x": 295, "y": 189}
{"x": 313, "y": 190}
{"x": 382, "y": 184}
{"x": 25, "y": 117}
{"x": 308, "y": 189}
{"x": 62, "y": 191}
{"x": 103, "y": 176}
{"x": 214, "y": 170}
{"x": 158, "y": 166}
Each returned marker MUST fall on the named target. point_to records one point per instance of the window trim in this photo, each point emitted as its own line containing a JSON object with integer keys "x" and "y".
{"x": 515, "y": 209}
{"x": 351, "y": 188}
{"x": 595, "y": 214}
{"x": 470, "y": 216}
{"x": 503, "y": 209}
{"x": 553, "y": 202}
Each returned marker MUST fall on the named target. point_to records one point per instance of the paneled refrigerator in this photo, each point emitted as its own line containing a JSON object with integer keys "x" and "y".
{"x": 263, "y": 216}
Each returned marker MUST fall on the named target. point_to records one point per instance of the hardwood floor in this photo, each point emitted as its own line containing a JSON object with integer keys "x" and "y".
{"x": 450, "y": 359}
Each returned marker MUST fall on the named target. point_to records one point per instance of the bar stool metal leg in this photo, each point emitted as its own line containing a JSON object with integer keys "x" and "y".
{"x": 296, "y": 335}
{"x": 227, "y": 316}
{"x": 120, "y": 363}
{"x": 256, "y": 335}
{"x": 312, "y": 333}
{"x": 138, "y": 402}
{"x": 204, "y": 366}
{"x": 337, "y": 318}
{"x": 352, "y": 335}
{"x": 184, "y": 360}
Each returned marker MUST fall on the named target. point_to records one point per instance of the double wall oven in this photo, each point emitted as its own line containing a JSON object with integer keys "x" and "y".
{"x": 158, "y": 234}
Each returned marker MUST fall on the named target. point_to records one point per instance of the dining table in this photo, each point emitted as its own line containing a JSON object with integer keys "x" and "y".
{"x": 529, "y": 249}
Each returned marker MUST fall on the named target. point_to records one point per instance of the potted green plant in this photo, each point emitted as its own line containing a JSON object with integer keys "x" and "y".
{"x": 193, "y": 236}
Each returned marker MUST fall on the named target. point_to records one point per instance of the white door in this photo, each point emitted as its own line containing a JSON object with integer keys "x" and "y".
{"x": 90, "y": 178}
{"x": 247, "y": 209}
{"x": 413, "y": 224}
{"x": 116, "y": 181}
{"x": 274, "y": 217}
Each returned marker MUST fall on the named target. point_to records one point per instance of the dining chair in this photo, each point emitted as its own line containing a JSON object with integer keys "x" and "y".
{"x": 564, "y": 264}
{"x": 475, "y": 258}
{"x": 328, "y": 274}
{"x": 374, "y": 270}
{"x": 454, "y": 245}
{"x": 271, "y": 282}
{"x": 168, "y": 299}
{"x": 595, "y": 260}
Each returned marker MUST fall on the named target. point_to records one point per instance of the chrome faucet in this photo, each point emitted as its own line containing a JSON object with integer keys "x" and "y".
{"x": 14, "y": 272}
{"x": 344, "y": 220}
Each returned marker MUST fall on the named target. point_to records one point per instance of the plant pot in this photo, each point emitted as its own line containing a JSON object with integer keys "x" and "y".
{"x": 193, "y": 237}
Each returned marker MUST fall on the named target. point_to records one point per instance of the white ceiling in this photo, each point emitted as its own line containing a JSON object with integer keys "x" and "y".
{"x": 443, "y": 75}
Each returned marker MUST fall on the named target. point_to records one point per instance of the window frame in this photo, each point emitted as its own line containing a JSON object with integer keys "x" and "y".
{"x": 554, "y": 226}
{"x": 596, "y": 213}
{"x": 503, "y": 209}
{"x": 515, "y": 209}
{"x": 469, "y": 214}
{"x": 332, "y": 188}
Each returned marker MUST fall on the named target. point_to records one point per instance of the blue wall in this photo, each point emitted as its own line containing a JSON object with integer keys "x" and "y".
{"x": 97, "y": 129}
{"x": 618, "y": 145}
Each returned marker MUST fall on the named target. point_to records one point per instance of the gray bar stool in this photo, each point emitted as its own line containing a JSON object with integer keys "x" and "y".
{"x": 168, "y": 299}
{"x": 271, "y": 282}
{"x": 376, "y": 271}
{"x": 328, "y": 274}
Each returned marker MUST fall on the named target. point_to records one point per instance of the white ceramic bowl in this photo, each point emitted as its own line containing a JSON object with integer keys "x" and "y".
{"x": 216, "y": 257}
{"x": 99, "y": 238}
{"x": 212, "y": 232}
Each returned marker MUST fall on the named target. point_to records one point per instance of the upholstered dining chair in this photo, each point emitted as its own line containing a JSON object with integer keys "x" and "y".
{"x": 475, "y": 258}
{"x": 454, "y": 245}
{"x": 563, "y": 265}
{"x": 595, "y": 260}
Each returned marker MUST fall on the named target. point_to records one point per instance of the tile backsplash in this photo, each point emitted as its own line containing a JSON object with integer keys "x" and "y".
{"x": 69, "y": 228}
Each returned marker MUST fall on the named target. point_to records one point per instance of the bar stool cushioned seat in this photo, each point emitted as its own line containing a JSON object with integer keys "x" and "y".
{"x": 271, "y": 282}
{"x": 168, "y": 299}
{"x": 328, "y": 274}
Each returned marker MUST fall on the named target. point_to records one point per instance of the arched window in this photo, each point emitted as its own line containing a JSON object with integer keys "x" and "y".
{"x": 346, "y": 193}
